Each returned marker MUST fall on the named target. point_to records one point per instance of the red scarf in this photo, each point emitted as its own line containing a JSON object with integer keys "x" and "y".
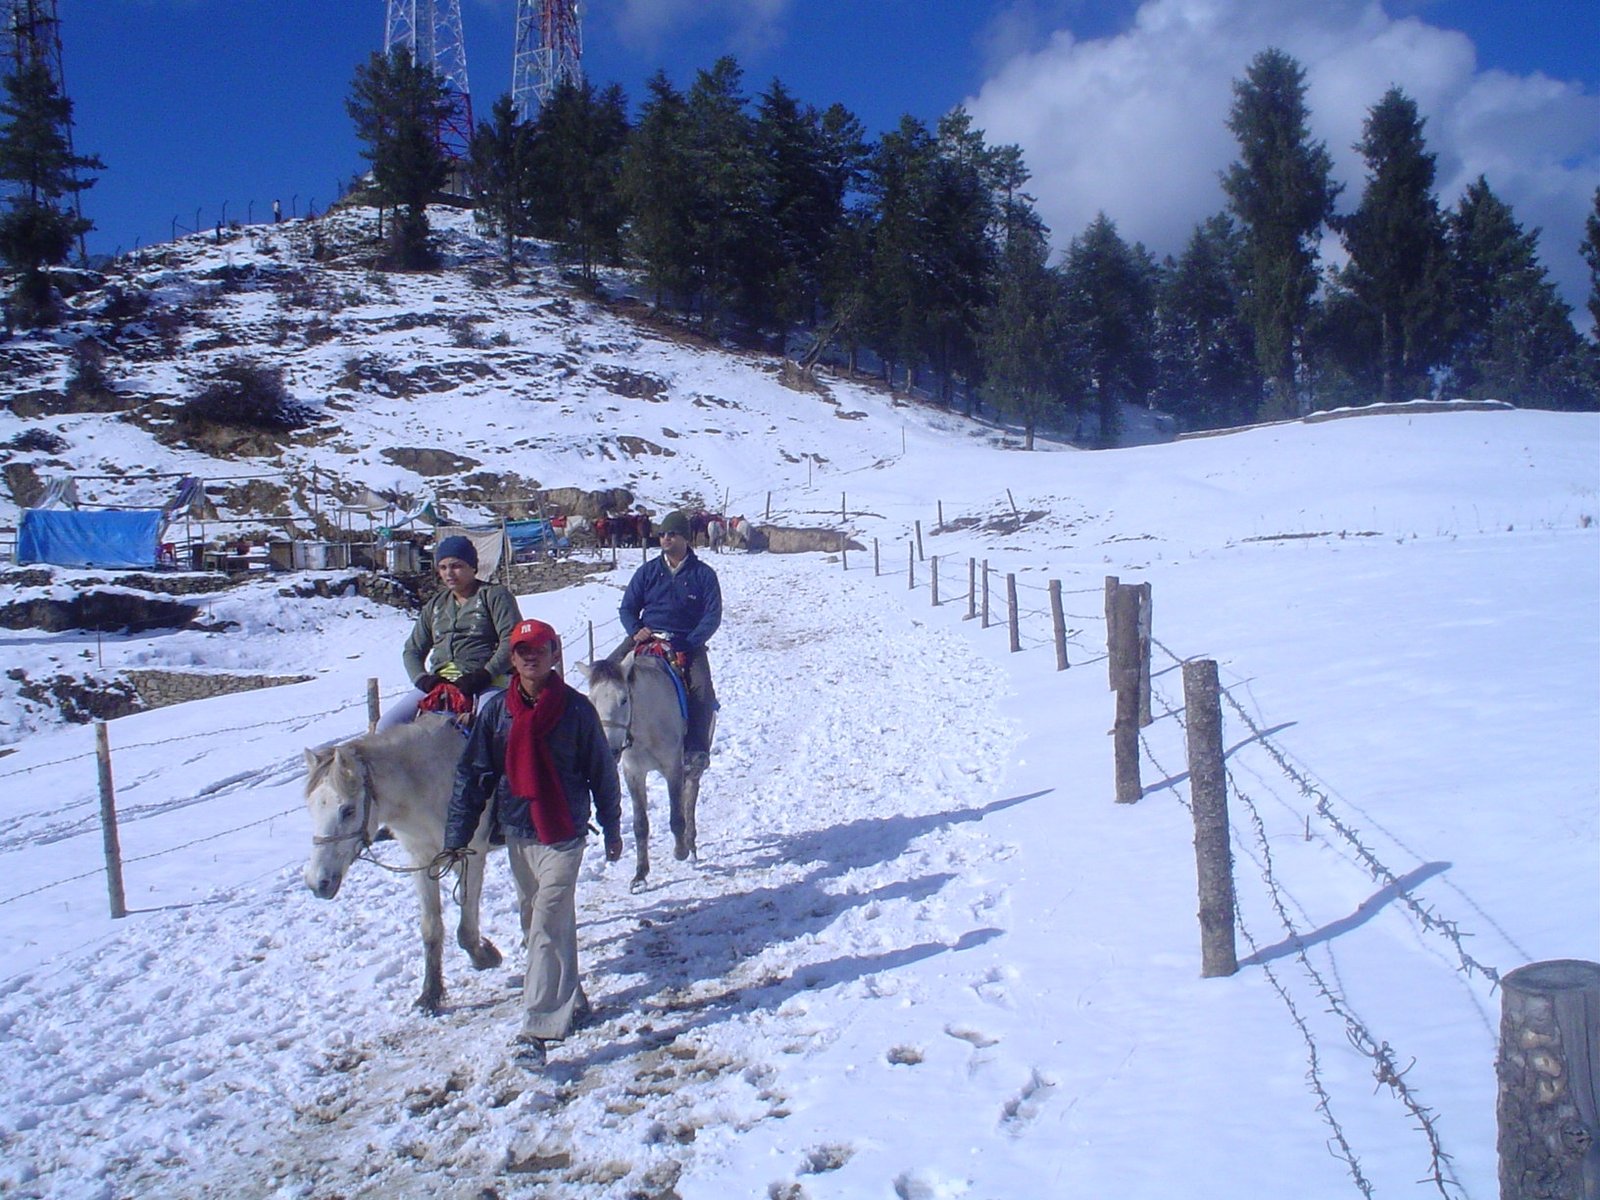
{"x": 530, "y": 767}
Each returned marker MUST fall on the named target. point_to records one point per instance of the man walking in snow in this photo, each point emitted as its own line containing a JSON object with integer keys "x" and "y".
{"x": 538, "y": 753}
{"x": 675, "y": 598}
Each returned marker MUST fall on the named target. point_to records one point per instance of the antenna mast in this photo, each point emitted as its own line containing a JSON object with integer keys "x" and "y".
{"x": 549, "y": 52}
{"x": 431, "y": 30}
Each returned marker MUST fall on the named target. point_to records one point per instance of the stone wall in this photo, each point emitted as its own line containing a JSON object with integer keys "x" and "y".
{"x": 157, "y": 689}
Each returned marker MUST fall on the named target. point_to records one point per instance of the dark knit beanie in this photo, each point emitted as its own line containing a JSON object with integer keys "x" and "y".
{"x": 457, "y": 546}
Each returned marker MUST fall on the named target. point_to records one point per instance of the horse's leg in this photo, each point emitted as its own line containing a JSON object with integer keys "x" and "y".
{"x": 432, "y": 944}
{"x": 641, "y": 826}
{"x": 678, "y": 797}
{"x": 691, "y": 797}
{"x": 484, "y": 954}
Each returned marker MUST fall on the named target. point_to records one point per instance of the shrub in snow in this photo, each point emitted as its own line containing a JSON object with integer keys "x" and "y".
{"x": 245, "y": 393}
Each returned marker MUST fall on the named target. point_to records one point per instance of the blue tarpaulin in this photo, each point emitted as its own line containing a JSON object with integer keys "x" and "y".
{"x": 70, "y": 537}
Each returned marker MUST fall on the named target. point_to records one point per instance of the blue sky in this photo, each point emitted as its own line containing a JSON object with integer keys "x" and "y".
{"x": 1119, "y": 106}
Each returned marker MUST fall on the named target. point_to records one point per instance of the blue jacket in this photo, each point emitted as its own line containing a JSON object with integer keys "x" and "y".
{"x": 582, "y": 757}
{"x": 687, "y": 605}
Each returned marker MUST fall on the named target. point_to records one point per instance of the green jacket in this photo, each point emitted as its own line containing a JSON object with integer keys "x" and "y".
{"x": 472, "y": 633}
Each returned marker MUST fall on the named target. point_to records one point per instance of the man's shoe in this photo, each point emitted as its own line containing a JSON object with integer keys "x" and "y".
{"x": 529, "y": 1052}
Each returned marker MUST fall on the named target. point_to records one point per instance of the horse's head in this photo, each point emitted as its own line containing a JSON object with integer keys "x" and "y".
{"x": 340, "y": 802}
{"x": 609, "y": 693}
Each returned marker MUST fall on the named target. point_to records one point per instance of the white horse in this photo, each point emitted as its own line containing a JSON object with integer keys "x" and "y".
{"x": 399, "y": 779}
{"x": 716, "y": 534}
{"x": 638, "y": 706}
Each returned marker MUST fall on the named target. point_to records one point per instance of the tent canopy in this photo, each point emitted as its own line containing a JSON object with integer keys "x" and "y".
{"x": 77, "y": 538}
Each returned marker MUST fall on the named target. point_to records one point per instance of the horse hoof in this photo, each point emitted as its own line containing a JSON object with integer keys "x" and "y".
{"x": 487, "y": 956}
{"x": 430, "y": 1006}
{"x": 637, "y": 885}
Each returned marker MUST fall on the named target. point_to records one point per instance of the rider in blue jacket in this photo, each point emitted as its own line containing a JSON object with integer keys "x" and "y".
{"x": 675, "y": 597}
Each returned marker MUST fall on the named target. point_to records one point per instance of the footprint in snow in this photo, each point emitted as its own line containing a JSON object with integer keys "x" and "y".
{"x": 1019, "y": 1111}
{"x": 978, "y": 1039}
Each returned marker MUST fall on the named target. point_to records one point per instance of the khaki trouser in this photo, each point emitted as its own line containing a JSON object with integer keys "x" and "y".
{"x": 547, "y": 887}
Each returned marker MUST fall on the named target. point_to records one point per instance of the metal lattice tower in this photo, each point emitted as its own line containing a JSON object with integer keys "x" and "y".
{"x": 32, "y": 33}
{"x": 549, "y": 52}
{"x": 431, "y": 30}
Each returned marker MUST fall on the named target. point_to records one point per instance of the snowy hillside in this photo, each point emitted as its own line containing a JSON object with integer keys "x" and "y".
{"x": 923, "y": 954}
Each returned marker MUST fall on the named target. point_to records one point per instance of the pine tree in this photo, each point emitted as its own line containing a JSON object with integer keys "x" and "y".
{"x": 39, "y": 226}
{"x": 397, "y": 106}
{"x": 1282, "y": 194}
{"x": 578, "y": 149}
{"x": 1517, "y": 342}
{"x": 728, "y": 229}
{"x": 501, "y": 169}
{"x": 1110, "y": 308}
{"x": 1590, "y": 248}
{"x": 898, "y": 179}
{"x": 1399, "y": 264}
{"x": 1206, "y": 353}
{"x": 1027, "y": 355}
{"x": 656, "y": 192}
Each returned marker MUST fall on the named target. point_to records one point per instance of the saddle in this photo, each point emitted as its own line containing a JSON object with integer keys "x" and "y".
{"x": 662, "y": 652}
{"x": 449, "y": 700}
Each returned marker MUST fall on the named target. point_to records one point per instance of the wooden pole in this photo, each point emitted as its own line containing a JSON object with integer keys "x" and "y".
{"x": 972, "y": 589}
{"x": 591, "y": 643}
{"x": 844, "y": 552}
{"x": 874, "y": 558}
{"x": 1549, "y": 1081}
{"x": 374, "y": 706}
{"x": 1112, "y": 583}
{"x": 1011, "y": 609}
{"x": 941, "y": 516}
{"x": 1058, "y": 624}
{"x": 769, "y": 507}
{"x": 1208, "y": 792}
{"x": 934, "y": 565}
{"x": 920, "y": 554}
{"x": 911, "y": 565}
{"x": 1144, "y": 655}
{"x": 984, "y": 624}
{"x": 844, "y": 516}
{"x": 1125, "y": 733}
{"x": 1014, "y": 511}
{"x": 108, "y": 823}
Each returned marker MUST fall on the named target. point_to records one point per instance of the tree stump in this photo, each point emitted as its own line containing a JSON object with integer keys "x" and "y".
{"x": 1548, "y": 1111}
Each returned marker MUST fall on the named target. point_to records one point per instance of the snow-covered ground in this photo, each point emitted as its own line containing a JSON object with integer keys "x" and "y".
{"x": 923, "y": 954}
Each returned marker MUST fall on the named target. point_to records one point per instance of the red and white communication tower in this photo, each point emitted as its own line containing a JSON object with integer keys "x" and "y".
{"x": 431, "y": 30}
{"x": 549, "y": 52}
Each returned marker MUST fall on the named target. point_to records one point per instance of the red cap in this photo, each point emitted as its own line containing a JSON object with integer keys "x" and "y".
{"x": 533, "y": 633}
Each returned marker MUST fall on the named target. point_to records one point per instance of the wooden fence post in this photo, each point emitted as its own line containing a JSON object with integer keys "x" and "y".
{"x": 1011, "y": 609}
{"x": 1208, "y": 793}
{"x": 985, "y": 623}
{"x": 933, "y": 563}
{"x": 1144, "y": 654}
{"x": 108, "y": 823}
{"x": 920, "y": 554}
{"x": 844, "y": 517}
{"x": 972, "y": 589}
{"x": 1112, "y": 583}
{"x": 1058, "y": 624}
{"x": 941, "y": 516}
{"x": 591, "y": 643}
{"x": 911, "y": 566}
{"x": 1549, "y": 1080}
{"x": 1125, "y": 733}
{"x": 874, "y": 558}
{"x": 768, "y": 517}
{"x": 374, "y": 707}
{"x": 844, "y": 551}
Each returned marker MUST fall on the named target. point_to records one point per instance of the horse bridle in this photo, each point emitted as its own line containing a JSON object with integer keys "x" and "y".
{"x": 627, "y": 731}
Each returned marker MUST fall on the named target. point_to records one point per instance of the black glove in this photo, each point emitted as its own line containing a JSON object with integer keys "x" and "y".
{"x": 474, "y": 681}
{"x": 425, "y": 682}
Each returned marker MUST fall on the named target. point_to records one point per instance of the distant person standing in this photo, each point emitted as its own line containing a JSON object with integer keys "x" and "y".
{"x": 675, "y": 598}
{"x": 277, "y": 211}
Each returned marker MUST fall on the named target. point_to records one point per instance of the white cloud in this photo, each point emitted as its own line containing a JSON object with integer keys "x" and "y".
{"x": 747, "y": 26}
{"x": 1134, "y": 125}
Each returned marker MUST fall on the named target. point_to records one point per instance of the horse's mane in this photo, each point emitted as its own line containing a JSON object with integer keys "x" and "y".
{"x": 606, "y": 671}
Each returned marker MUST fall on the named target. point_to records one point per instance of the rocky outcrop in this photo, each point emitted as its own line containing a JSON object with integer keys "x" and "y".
{"x": 779, "y": 539}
